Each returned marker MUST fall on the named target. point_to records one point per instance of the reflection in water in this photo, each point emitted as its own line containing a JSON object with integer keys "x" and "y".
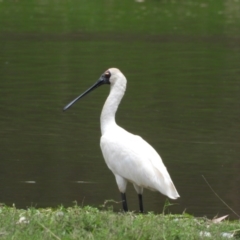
{"x": 29, "y": 182}
{"x": 183, "y": 98}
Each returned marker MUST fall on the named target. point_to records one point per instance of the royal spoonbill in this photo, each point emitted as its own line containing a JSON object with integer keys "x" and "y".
{"x": 128, "y": 156}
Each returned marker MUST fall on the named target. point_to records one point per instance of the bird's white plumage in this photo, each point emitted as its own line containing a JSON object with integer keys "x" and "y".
{"x": 128, "y": 156}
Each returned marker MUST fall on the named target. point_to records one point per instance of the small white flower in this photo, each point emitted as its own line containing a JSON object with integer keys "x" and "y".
{"x": 205, "y": 234}
{"x": 59, "y": 214}
{"x": 22, "y": 220}
{"x": 227, "y": 235}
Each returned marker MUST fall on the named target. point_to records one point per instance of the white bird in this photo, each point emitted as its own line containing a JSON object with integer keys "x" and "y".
{"x": 128, "y": 156}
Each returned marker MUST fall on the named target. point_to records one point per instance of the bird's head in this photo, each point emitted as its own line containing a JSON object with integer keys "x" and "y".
{"x": 112, "y": 76}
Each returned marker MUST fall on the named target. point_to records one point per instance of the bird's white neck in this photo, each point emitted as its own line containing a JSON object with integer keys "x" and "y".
{"x": 110, "y": 107}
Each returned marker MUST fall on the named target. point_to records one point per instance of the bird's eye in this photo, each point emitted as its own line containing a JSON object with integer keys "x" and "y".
{"x": 107, "y": 74}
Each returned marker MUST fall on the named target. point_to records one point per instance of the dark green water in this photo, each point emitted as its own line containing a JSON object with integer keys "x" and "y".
{"x": 183, "y": 96}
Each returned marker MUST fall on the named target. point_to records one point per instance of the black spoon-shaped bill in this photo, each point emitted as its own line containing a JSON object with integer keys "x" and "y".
{"x": 104, "y": 79}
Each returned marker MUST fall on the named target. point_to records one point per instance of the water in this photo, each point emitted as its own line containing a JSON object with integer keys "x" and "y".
{"x": 182, "y": 65}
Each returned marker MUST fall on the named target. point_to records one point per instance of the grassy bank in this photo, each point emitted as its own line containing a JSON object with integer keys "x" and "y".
{"x": 92, "y": 223}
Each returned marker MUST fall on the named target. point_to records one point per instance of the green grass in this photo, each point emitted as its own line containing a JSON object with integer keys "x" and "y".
{"x": 91, "y": 223}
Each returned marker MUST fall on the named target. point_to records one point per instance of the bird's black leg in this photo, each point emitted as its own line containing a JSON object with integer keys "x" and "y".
{"x": 140, "y": 203}
{"x": 124, "y": 202}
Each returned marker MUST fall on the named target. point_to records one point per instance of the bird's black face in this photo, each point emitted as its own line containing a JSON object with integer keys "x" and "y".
{"x": 104, "y": 79}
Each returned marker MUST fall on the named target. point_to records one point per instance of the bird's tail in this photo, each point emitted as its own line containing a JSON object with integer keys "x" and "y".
{"x": 172, "y": 191}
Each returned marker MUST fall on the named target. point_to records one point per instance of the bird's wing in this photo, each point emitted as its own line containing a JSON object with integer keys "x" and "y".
{"x": 134, "y": 159}
{"x": 162, "y": 177}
